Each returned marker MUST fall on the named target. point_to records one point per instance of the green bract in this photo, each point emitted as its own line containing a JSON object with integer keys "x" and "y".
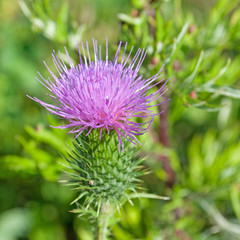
{"x": 100, "y": 173}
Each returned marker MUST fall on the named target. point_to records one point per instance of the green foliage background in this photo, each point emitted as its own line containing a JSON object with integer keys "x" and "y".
{"x": 193, "y": 150}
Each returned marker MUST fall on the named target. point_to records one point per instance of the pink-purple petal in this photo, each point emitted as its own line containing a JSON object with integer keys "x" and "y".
{"x": 102, "y": 93}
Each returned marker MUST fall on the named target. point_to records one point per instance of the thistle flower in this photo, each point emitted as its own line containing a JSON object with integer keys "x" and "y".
{"x": 102, "y": 94}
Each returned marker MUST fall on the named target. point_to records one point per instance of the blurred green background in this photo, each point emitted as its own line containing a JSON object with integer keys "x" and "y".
{"x": 193, "y": 149}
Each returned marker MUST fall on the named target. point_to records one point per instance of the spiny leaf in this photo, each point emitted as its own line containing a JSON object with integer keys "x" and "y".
{"x": 177, "y": 42}
{"x": 148, "y": 195}
{"x": 221, "y": 72}
{"x": 221, "y": 90}
{"x": 130, "y": 20}
{"x": 190, "y": 78}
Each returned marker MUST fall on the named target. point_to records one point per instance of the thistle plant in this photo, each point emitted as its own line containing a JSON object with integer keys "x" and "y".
{"x": 100, "y": 99}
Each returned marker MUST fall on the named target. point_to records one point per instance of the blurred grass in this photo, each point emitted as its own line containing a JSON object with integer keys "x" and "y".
{"x": 21, "y": 53}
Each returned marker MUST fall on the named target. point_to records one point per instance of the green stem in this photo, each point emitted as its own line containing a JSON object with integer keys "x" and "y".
{"x": 103, "y": 221}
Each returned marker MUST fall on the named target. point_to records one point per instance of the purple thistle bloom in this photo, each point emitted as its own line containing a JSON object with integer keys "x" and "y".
{"x": 102, "y": 93}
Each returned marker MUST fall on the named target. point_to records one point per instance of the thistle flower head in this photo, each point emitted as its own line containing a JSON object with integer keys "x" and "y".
{"x": 102, "y": 94}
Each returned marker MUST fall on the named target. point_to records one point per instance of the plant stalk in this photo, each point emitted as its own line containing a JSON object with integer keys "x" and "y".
{"x": 165, "y": 141}
{"x": 103, "y": 221}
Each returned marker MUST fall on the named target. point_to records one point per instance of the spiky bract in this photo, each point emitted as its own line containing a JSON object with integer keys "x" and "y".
{"x": 100, "y": 172}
